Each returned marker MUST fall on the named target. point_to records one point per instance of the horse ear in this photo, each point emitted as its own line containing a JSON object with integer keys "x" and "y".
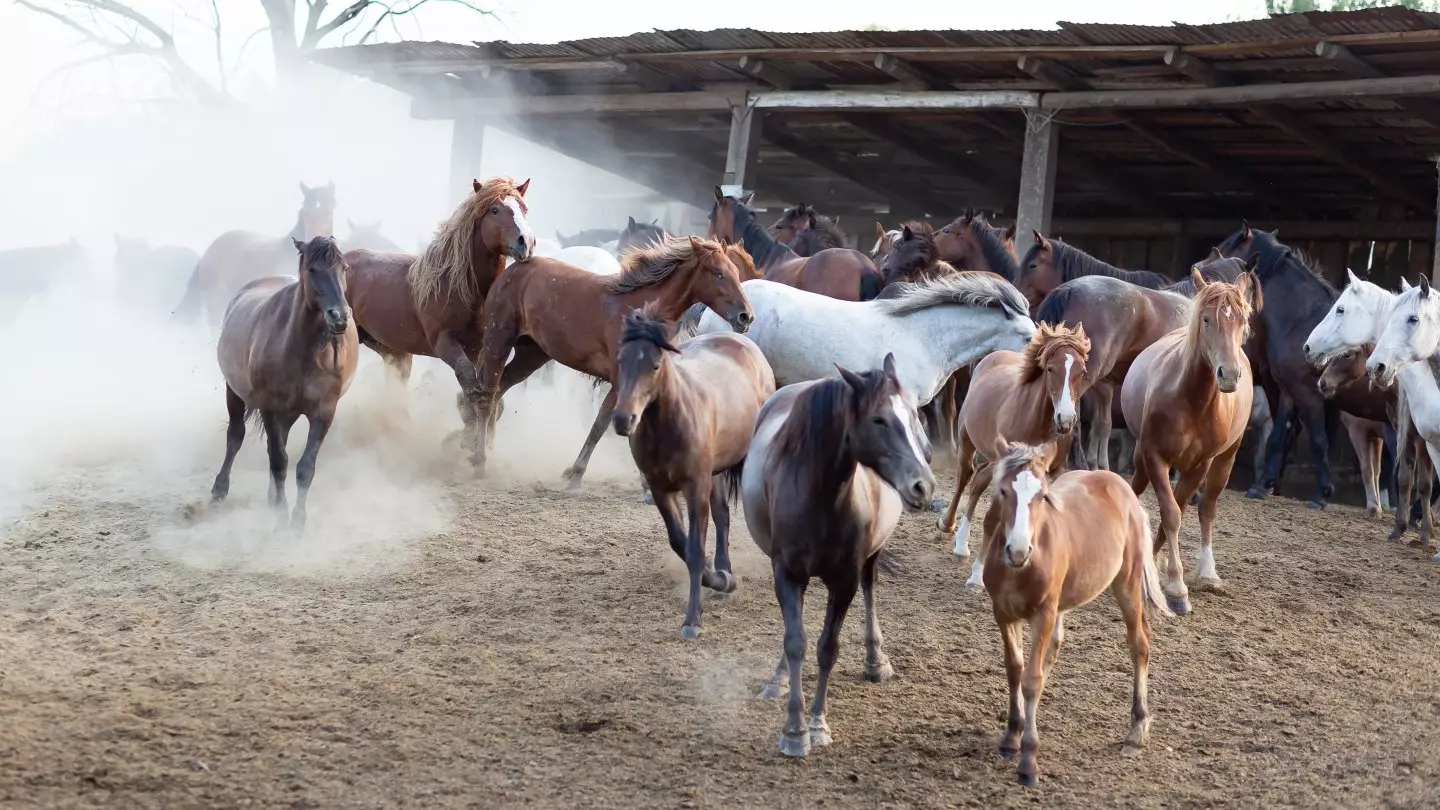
{"x": 304, "y": 189}
{"x": 1041, "y": 240}
{"x": 1245, "y": 232}
{"x": 1009, "y": 233}
{"x": 631, "y": 224}
{"x": 1047, "y": 452}
{"x": 523, "y": 187}
{"x": 694, "y": 243}
{"x": 889, "y": 367}
{"x": 1351, "y": 275}
{"x": 1198, "y": 279}
{"x": 747, "y": 198}
{"x": 475, "y": 185}
{"x": 969, "y": 215}
{"x": 879, "y": 230}
{"x": 1404, "y": 284}
{"x": 1424, "y": 286}
{"x": 906, "y": 233}
{"x": 330, "y": 186}
{"x": 852, "y": 379}
{"x": 299, "y": 246}
{"x": 719, "y": 195}
{"x": 1215, "y": 253}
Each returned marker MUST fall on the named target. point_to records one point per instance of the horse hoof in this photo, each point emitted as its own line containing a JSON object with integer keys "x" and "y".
{"x": 1029, "y": 780}
{"x": 772, "y": 691}
{"x": 690, "y": 632}
{"x": 1376, "y": 513}
{"x": 1179, "y": 605}
{"x": 820, "y": 736}
{"x": 1256, "y": 494}
{"x": 1006, "y": 752}
{"x": 879, "y": 674}
{"x": 1211, "y": 584}
{"x": 1314, "y": 504}
{"x": 974, "y": 585}
{"x": 648, "y": 500}
{"x": 795, "y": 746}
{"x": 720, "y": 581}
{"x": 1130, "y": 750}
{"x": 1394, "y": 537}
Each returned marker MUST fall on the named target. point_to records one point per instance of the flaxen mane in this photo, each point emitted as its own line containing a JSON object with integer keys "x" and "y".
{"x": 447, "y": 258}
{"x": 1020, "y": 456}
{"x": 656, "y": 262}
{"x": 1213, "y": 296}
{"x": 1049, "y": 339}
{"x": 962, "y": 289}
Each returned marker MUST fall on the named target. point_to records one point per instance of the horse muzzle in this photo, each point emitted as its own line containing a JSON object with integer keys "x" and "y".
{"x": 523, "y": 249}
{"x": 1381, "y": 374}
{"x": 337, "y": 321}
{"x": 1017, "y": 559}
{"x": 740, "y": 321}
{"x": 1228, "y": 383}
{"x": 1064, "y": 426}
{"x": 1327, "y": 389}
{"x": 625, "y": 423}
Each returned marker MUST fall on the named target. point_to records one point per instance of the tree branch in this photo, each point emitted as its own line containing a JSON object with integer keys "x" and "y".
{"x": 391, "y": 13}
{"x": 341, "y": 20}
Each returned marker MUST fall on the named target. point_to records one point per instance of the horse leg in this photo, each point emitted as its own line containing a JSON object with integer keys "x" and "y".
{"x": 790, "y": 591}
{"x": 1425, "y": 467}
{"x": 1407, "y": 463}
{"x": 877, "y": 664}
{"x": 1013, "y": 637}
{"x": 1207, "y": 578}
{"x": 697, "y": 498}
{"x": 1130, "y": 594}
{"x": 305, "y": 469}
{"x": 452, "y": 354}
{"x": 1314, "y": 416}
{"x": 1274, "y": 450}
{"x": 779, "y": 682}
{"x": 720, "y": 513}
{"x": 1032, "y": 683}
{"x": 1153, "y": 468}
{"x": 964, "y": 468}
{"x": 1262, "y": 441}
{"x": 277, "y": 432}
{"x": 827, "y": 649}
{"x": 234, "y": 437}
{"x": 1104, "y": 402}
{"x": 983, "y": 476}
{"x": 576, "y": 472}
{"x": 949, "y": 410}
{"x": 668, "y": 504}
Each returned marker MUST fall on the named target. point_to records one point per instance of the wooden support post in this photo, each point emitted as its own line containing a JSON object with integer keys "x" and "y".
{"x": 743, "y": 151}
{"x": 1037, "y": 176}
{"x": 467, "y": 140}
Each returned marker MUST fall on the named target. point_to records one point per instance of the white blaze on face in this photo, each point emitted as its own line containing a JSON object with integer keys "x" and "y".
{"x": 1065, "y": 411}
{"x": 1229, "y": 313}
{"x": 1017, "y": 540}
{"x": 903, "y": 415}
{"x": 520, "y": 222}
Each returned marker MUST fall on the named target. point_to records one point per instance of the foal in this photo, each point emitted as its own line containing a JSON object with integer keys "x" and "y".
{"x": 288, "y": 349}
{"x": 689, "y": 419}
{"x": 831, "y": 462}
{"x": 1052, "y": 547}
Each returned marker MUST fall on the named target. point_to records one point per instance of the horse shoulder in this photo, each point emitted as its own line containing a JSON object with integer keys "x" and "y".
{"x": 876, "y": 507}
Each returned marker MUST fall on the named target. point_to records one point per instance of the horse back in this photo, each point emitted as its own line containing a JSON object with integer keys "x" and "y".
{"x": 835, "y": 272}
{"x": 1102, "y": 524}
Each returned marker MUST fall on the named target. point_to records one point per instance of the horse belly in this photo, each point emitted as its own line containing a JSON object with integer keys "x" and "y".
{"x": 382, "y": 306}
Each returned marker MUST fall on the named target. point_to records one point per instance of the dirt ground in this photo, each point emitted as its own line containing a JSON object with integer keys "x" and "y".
{"x": 438, "y": 641}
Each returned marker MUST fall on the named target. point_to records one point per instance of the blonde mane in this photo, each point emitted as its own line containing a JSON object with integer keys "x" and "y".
{"x": 447, "y": 258}
{"x": 1214, "y": 295}
{"x": 655, "y": 262}
{"x": 1049, "y": 339}
{"x": 1020, "y": 456}
{"x": 740, "y": 257}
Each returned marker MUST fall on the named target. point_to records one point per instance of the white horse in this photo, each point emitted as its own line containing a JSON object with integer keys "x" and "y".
{"x": 596, "y": 260}
{"x": 933, "y": 329}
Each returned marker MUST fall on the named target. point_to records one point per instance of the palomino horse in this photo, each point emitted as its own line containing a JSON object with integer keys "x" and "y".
{"x": 973, "y": 243}
{"x": 807, "y": 231}
{"x": 1187, "y": 400}
{"x": 545, "y": 310}
{"x": 368, "y": 237}
{"x": 841, "y": 273}
{"x": 428, "y": 305}
{"x": 1028, "y": 397}
{"x": 1053, "y": 546}
{"x": 150, "y": 277}
{"x": 1049, "y": 263}
{"x": 932, "y": 329}
{"x": 1346, "y": 372}
{"x": 689, "y": 419}
{"x": 288, "y": 349}
{"x": 638, "y": 235}
{"x": 1290, "y": 276}
{"x": 828, "y": 469}
{"x": 238, "y": 257}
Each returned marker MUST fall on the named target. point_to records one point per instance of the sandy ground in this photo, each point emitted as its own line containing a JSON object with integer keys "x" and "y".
{"x": 438, "y": 641}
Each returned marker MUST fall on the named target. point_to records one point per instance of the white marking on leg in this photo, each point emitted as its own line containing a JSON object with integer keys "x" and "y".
{"x": 1017, "y": 539}
{"x": 1207, "y": 563}
{"x": 1066, "y": 409}
{"x": 520, "y": 222}
{"x": 903, "y": 415}
{"x": 977, "y": 574}
{"x": 962, "y": 538}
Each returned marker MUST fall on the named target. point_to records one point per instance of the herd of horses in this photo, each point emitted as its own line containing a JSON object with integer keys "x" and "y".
{"x": 809, "y": 379}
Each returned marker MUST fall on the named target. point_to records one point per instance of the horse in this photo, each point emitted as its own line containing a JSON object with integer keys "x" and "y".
{"x": 971, "y": 242}
{"x": 599, "y": 261}
{"x": 1289, "y": 276}
{"x": 369, "y": 238}
{"x": 544, "y": 310}
{"x": 1050, "y": 262}
{"x": 831, "y": 465}
{"x": 884, "y": 242}
{"x": 932, "y": 329}
{"x": 1346, "y": 372}
{"x": 808, "y": 232}
{"x": 638, "y": 234}
{"x": 28, "y": 272}
{"x": 1053, "y": 546}
{"x": 287, "y": 349}
{"x": 595, "y": 237}
{"x": 689, "y": 419}
{"x": 841, "y": 273}
{"x": 1028, "y": 397}
{"x": 913, "y": 257}
{"x": 1184, "y": 400}
{"x": 429, "y": 304}
{"x": 237, "y": 257}
{"x": 150, "y": 277}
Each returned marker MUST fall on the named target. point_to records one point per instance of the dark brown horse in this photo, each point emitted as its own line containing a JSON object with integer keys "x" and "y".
{"x": 807, "y": 231}
{"x": 689, "y": 413}
{"x": 1049, "y": 263}
{"x": 238, "y": 257}
{"x": 972, "y": 243}
{"x": 429, "y": 305}
{"x": 913, "y": 257}
{"x": 288, "y": 349}
{"x": 841, "y": 273}
{"x": 830, "y": 468}
{"x": 547, "y": 310}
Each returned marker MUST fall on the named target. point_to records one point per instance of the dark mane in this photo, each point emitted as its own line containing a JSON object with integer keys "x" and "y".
{"x": 321, "y": 251}
{"x": 992, "y": 245}
{"x": 1074, "y": 263}
{"x": 642, "y": 324}
{"x": 814, "y": 433}
{"x": 822, "y": 234}
{"x": 1226, "y": 269}
{"x": 1275, "y": 257}
{"x": 1052, "y": 308}
{"x": 762, "y": 247}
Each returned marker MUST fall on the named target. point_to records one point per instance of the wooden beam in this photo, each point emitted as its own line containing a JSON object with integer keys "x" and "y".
{"x": 1217, "y": 229}
{"x": 1000, "y": 187}
{"x": 761, "y": 70}
{"x": 743, "y": 150}
{"x": 1037, "y": 176}
{"x": 861, "y": 100}
{"x": 910, "y": 75}
{"x": 1198, "y": 69}
{"x": 1425, "y": 109}
{"x": 1051, "y": 73}
{"x": 859, "y": 175}
{"x": 1345, "y": 89}
{"x": 586, "y": 143}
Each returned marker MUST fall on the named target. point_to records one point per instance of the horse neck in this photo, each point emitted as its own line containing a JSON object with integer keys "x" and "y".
{"x": 999, "y": 258}
{"x": 1197, "y": 377}
{"x": 1378, "y": 303}
{"x": 765, "y": 249}
{"x": 670, "y": 296}
{"x": 961, "y": 341}
{"x": 298, "y": 232}
{"x": 305, "y": 318}
{"x": 1030, "y": 398}
{"x": 485, "y": 267}
{"x": 1077, "y": 263}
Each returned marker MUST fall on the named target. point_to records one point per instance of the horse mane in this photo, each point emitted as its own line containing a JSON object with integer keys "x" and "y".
{"x": 816, "y": 427}
{"x": 740, "y": 257}
{"x": 1020, "y": 455}
{"x": 1275, "y": 255}
{"x": 992, "y": 246}
{"x": 1074, "y": 263}
{"x": 961, "y": 289}
{"x": 644, "y": 324}
{"x": 1225, "y": 269}
{"x": 323, "y": 251}
{"x": 448, "y": 256}
{"x": 755, "y": 237}
{"x": 1048, "y": 339}
{"x": 823, "y": 234}
{"x": 1217, "y": 294}
{"x": 653, "y": 263}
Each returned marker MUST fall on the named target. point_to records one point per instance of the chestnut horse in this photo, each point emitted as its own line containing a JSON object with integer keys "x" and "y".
{"x": 973, "y": 243}
{"x": 1053, "y": 546}
{"x": 884, "y": 242}
{"x": 689, "y": 419}
{"x": 807, "y": 231}
{"x": 546, "y": 310}
{"x": 1346, "y": 372}
{"x": 1187, "y": 400}
{"x": 830, "y": 466}
{"x": 1049, "y": 263}
{"x": 841, "y": 273}
{"x": 429, "y": 305}
{"x": 238, "y": 257}
{"x": 287, "y": 349}
{"x": 1026, "y": 397}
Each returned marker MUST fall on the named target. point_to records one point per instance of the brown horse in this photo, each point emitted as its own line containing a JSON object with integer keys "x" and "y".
{"x": 689, "y": 420}
{"x": 1049, "y": 263}
{"x": 287, "y": 349}
{"x": 913, "y": 257}
{"x": 429, "y": 305}
{"x": 1053, "y": 546}
{"x": 238, "y": 257}
{"x": 884, "y": 241}
{"x": 830, "y": 465}
{"x": 841, "y": 273}
{"x": 973, "y": 243}
{"x": 807, "y": 231}
{"x": 1187, "y": 400}
{"x": 547, "y": 310}
{"x": 1026, "y": 397}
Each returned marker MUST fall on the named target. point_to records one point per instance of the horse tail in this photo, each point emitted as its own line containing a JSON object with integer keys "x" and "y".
{"x": 1153, "y": 595}
{"x": 729, "y": 481}
{"x": 189, "y": 306}
{"x": 689, "y": 323}
{"x": 869, "y": 285}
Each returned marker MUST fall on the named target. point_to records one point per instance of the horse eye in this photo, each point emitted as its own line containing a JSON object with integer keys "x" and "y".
{"x": 495, "y": 212}
{"x": 1340, "y": 310}
{"x": 1413, "y": 319}
{"x": 879, "y": 420}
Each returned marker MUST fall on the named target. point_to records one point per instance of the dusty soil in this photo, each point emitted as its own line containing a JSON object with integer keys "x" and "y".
{"x": 436, "y": 641}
